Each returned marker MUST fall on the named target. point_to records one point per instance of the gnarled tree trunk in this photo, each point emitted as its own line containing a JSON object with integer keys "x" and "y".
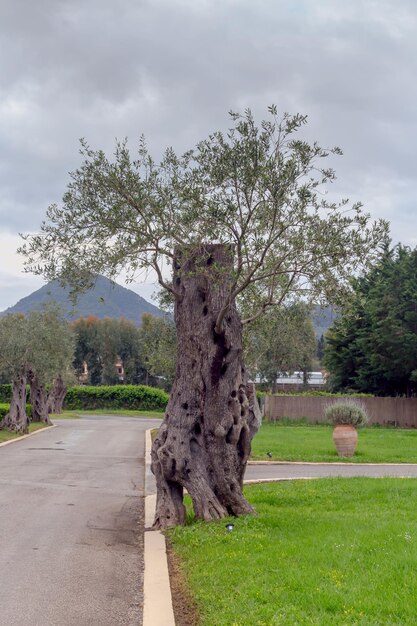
{"x": 16, "y": 419}
{"x": 57, "y": 395}
{"x": 37, "y": 398}
{"x": 205, "y": 440}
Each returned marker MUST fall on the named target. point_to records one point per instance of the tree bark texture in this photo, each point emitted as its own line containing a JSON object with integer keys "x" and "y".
{"x": 16, "y": 419}
{"x": 205, "y": 440}
{"x": 56, "y": 396}
{"x": 38, "y": 399}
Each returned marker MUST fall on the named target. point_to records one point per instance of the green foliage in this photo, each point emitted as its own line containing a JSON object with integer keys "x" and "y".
{"x": 321, "y": 344}
{"x": 128, "y": 349}
{"x": 148, "y": 413}
{"x": 281, "y": 341}
{"x": 346, "y": 412}
{"x": 17, "y": 345}
{"x": 53, "y": 344}
{"x": 147, "y": 353}
{"x": 372, "y": 345}
{"x": 5, "y": 407}
{"x": 5, "y": 393}
{"x": 117, "y": 397}
{"x": 157, "y": 341}
{"x": 100, "y": 343}
{"x": 258, "y": 187}
{"x": 41, "y": 340}
{"x": 87, "y": 349}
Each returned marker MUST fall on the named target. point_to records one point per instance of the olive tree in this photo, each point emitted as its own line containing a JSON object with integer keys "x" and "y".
{"x": 49, "y": 362}
{"x": 15, "y": 348}
{"x": 34, "y": 349}
{"x": 157, "y": 341}
{"x": 243, "y": 215}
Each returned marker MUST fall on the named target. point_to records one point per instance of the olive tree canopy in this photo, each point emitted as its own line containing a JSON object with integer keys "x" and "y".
{"x": 260, "y": 190}
{"x": 35, "y": 348}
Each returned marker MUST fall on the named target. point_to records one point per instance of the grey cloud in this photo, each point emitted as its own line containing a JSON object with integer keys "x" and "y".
{"x": 173, "y": 69}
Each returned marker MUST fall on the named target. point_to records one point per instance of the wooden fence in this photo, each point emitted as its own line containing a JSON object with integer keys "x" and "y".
{"x": 385, "y": 411}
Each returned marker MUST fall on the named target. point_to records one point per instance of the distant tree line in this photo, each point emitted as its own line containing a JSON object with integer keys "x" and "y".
{"x": 109, "y": 351}
{"x": 281, "y": 342}
{"x": 42, "y": 352}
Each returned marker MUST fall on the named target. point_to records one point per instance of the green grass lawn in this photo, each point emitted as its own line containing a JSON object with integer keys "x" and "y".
{"x": 5, "y": 435}
{"x": 327, "y": 552}
{"x": 128, "y": 412}
{"x": 314, "y": 443}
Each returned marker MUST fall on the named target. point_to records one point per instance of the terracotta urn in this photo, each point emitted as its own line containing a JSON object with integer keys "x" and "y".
{"x": 345, "y": 439}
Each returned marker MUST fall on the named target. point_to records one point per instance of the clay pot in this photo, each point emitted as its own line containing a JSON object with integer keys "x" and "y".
{"x": 345, "y": 439}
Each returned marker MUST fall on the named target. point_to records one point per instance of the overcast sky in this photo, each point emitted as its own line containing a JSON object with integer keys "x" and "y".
{"x": 172, "y": 69}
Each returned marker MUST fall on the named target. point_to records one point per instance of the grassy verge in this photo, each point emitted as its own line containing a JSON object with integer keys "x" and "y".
{"x": 65, "y": 415}
{"x": 314, "y": 443}
{"x": 125, "y": 412}
{"x": 5, "y": 435}
{"x": 319, "y": 553}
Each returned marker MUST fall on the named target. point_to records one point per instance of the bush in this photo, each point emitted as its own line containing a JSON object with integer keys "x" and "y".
{"x": 5, "y": 407}
{"x": 5, "y": 393}
{"x": 348, "y": 412}
{"x": 116, "y": 397}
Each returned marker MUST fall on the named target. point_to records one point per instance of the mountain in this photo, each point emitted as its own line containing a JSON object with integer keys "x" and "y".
{"x": 105, "y": 299}
{"x": 322, "y": 318}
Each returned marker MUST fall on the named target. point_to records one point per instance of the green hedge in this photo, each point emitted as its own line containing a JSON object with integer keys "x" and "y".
{"x": 141, "y": 397}
{"x": 111, "y": 397}
{"x": 116, "y": 397}
{"x": 5, "y": 393}
{"x": 4, "y": 409}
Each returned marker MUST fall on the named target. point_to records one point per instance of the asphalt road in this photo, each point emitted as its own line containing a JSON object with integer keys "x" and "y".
{"x": 71, "y": 515}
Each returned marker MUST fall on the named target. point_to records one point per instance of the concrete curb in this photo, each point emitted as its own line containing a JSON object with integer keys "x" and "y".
{"x": 157, "y": 599}
{"x": 335, "y": 463}
{"x": 41, "y": 430}
{"x": 255, "y": 481}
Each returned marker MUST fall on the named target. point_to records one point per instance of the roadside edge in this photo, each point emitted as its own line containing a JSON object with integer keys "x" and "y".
{"x": 35, "y": 432}
{"x": 327, "y": 463}
{"x": 157, "y": 599}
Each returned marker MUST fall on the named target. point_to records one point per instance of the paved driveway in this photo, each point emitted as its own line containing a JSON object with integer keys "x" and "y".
{"x": 71, "y": 511}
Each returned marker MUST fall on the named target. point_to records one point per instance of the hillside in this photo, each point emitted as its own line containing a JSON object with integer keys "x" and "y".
{"x": 322, "y": 318}
{"x": 105, "y": 299}
{"x": 108, "y": 299}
